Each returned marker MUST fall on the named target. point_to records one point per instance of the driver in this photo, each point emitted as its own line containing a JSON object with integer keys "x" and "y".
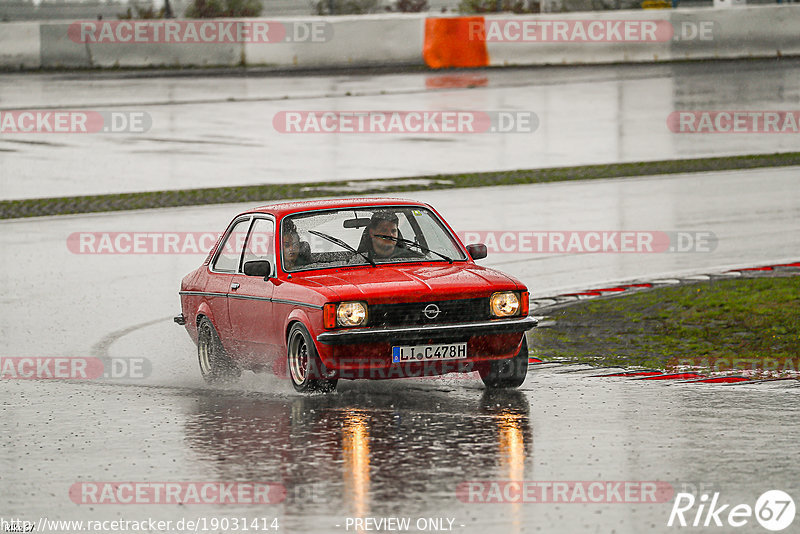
{"x": 383, "y": 223}
{"x": 379, "y": 241}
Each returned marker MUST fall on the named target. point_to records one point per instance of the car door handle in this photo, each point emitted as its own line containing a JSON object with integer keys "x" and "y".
{"x": 235, "y": 285}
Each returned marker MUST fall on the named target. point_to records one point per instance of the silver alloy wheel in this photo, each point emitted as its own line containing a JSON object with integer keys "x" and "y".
{"x": 298, "y": 358}
{"x": 215, "y": 364}
{"x": 204, "y": 348}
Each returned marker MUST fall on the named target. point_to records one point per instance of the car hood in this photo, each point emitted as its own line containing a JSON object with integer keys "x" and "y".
{"x": 412, "y": 283}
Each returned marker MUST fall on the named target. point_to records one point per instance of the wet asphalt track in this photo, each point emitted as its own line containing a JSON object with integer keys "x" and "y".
{"x": 218, "y": 130}
{"x": 396, "y": 448}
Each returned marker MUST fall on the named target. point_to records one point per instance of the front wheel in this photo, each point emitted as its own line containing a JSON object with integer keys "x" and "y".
{"x": 306, "y": 370}
{"x": 511, "y": 373}
{"x": 215, "y": 365}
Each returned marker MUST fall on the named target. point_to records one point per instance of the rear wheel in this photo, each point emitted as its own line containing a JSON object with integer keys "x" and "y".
{"x": 306, "y": 370}
{"x": 215, "y": 365}
{"x": 509, "y": 373}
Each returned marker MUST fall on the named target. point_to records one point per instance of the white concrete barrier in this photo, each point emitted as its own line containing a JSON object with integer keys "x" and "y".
{"x": 58, "y": 50}
{"x": 165, "y": 55}
{"x": 578, "y": 38}
{"x": 397, "y": 39}
{"x": 304, "y": 42}
{"x": 343, "y": 41}
{"x": 746, "y": 32}
{"x": 160, "y": 43}
{"x": 20, "y": 46}
{"x": 742, "y": 32}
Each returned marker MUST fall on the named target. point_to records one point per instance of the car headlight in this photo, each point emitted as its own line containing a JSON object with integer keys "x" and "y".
{"x": 351, "y": 314}
{"x": 504, "y": 304}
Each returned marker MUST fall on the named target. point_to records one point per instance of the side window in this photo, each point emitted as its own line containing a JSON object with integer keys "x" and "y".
{"x": 231, "y": 248}
{"x": 405, "y": 228}
{"x": 260, "y": 244}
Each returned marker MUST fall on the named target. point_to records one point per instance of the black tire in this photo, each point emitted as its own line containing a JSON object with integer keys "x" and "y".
{"x": 511, "y": 373}
{"x": 215, "y": 365}
{"x": 306, "y": 370}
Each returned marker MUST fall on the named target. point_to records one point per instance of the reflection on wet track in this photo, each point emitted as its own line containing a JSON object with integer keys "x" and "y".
{"x": 396, "y": 449}
{"x": 355, "y": 454}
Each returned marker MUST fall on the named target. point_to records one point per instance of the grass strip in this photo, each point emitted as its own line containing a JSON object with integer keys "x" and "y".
{"x": 37, "y": 207}
{"x": 724, "y": 325}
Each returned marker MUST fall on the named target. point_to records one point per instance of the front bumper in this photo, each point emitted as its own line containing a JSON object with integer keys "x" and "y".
{"x": 428, "y": 333}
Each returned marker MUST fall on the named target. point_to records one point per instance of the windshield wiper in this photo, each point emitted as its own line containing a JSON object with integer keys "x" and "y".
{"x": 343, "y": 245}
{"x": 415, "y": 244}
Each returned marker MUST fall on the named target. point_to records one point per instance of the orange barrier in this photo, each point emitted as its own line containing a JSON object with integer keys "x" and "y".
{"x": 455, "y": 42}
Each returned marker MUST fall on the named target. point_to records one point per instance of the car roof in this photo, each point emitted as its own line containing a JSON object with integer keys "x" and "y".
{"x": 286, "y": 208}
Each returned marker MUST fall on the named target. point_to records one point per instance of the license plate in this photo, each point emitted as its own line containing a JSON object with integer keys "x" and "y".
{"x": 422, "y": 353}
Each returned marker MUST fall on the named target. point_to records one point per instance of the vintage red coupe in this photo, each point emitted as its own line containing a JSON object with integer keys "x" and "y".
{"x": 356, "y": 288}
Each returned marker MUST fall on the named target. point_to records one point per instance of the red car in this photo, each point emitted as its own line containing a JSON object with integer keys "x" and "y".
{"x": 357, "y": 288}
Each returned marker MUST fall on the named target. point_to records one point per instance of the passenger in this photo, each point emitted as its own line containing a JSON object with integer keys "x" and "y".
{"x": 291, "y": 247}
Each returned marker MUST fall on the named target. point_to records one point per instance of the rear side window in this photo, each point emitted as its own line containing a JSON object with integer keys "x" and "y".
{"x": 231, "y": 249}
{"x": 260, "y": 243}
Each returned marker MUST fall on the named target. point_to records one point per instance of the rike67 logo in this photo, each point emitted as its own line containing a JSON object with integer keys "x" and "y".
{"x": 774, "y": 510}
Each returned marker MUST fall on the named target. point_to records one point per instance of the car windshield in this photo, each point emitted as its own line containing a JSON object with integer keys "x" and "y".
{"x": 372, "y": 236}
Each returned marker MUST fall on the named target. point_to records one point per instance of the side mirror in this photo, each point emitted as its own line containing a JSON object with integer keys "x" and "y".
{"x": 477, "y": 251}
{"x": 260, "y": 268}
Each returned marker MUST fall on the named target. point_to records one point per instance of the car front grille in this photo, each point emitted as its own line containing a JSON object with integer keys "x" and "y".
{"x": 413, "y": 313}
